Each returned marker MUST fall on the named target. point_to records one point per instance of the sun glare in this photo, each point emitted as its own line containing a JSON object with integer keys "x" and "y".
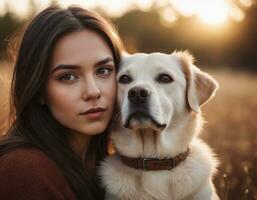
{"x": 213, "y": 12}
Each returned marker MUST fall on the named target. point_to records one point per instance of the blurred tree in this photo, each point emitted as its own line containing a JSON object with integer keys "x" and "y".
{"x": 8, "y": 24}
{"x": 146, "y": 33}
{"x": 143, "y": 31}
{"x": 233, "y": 44}
{"x": 244, "y": 49}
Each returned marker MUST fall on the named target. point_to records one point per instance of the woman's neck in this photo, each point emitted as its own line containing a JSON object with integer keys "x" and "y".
{"x": 80, "y": 143}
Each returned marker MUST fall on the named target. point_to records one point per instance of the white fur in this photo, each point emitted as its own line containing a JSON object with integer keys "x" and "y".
{"x": 176, "y": 105}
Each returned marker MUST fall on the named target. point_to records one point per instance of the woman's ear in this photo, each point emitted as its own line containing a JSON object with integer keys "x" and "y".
{"x": 201, "y": 87}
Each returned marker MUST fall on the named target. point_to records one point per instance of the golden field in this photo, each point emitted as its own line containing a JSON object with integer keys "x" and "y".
{"x": 5, "y": 82}
{"x": 230, "y": 129}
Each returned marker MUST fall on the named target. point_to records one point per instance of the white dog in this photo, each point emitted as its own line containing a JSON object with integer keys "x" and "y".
{"x": 158, "y": 153}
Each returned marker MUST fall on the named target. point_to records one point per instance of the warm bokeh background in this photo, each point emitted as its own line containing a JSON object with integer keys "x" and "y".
{"x": 221, "y": 34}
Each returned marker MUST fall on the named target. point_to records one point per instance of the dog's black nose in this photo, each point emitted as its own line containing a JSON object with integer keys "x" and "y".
{"x": 138, "y": 95}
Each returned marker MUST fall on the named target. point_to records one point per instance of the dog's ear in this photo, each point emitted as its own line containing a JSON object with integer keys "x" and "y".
{"x": 200, "y": 86}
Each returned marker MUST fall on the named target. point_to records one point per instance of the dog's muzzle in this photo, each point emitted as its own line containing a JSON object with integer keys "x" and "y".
{"x": 139, "y": 110}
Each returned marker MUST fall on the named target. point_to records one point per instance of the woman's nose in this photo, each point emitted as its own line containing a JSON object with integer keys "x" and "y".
{"x": 91, "y": 90}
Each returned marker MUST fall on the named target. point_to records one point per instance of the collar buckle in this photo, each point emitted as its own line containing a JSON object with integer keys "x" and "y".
{"x": 145, "y": 163}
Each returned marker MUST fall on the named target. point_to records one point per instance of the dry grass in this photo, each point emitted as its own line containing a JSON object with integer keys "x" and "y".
{"x": 231, "y": 130}
{"x": 5, "y": 82}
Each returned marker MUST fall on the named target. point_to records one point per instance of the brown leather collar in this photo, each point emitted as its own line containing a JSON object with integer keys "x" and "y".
{"x": 155, "y": 163}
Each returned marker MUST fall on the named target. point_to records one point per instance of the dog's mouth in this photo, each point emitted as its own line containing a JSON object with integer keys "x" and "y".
{"x": 141, "y": 120}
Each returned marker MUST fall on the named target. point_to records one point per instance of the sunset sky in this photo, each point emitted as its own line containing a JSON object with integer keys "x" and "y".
{"x": 211, "y": 12}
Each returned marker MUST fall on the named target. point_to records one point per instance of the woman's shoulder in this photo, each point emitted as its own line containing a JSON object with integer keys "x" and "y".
{"x": 27, "y": 161}
{"x": 31, "y": 173}
{"x": 24, "y": 157}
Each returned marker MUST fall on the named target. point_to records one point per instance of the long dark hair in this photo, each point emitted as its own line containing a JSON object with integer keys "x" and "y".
{"x": 33, "y": 125}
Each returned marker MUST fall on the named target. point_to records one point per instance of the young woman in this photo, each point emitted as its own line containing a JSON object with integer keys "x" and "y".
{"x": 63, "y": 95}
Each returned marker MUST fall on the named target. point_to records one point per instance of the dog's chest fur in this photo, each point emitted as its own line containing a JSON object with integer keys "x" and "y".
{"x": 181, "y": 182}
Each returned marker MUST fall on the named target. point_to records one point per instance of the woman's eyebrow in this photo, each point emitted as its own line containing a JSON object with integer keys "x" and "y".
{"x": 104, "y": 61}
{"x": 71, "y": 66}
{"x": 65, "y": 66}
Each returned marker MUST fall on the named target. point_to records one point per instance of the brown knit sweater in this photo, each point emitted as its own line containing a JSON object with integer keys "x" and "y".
{"x": 28, "y": 174}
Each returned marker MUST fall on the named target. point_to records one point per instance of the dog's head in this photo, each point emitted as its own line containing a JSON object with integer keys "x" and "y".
{"x": 155, "y": 90}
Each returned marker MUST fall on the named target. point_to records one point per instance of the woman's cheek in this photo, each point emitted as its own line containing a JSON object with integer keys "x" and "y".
{"x": 61, "y": 97}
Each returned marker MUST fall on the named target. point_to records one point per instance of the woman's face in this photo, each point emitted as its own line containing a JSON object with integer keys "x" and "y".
{"x": 81, "y": 88}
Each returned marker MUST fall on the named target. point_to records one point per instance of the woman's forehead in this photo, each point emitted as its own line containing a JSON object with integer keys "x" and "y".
{"x": 80, "y": 47}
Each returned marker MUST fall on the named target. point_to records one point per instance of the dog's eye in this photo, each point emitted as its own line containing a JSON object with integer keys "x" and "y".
{"x": 125, "y": 79}
{"x": 164, "y": 78}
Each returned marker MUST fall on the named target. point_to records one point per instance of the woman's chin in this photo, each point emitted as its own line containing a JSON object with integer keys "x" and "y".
{"x": 92, "y": 129}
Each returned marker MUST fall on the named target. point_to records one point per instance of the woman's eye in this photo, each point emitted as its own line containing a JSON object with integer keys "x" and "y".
{"x": 68, "y": 77}
{"x": 124, "y": 79}
{"x": 164, "y": 78}
{"x": 104, "y": 71}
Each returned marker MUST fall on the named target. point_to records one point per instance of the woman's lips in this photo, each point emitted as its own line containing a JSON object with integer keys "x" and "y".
{"x": 94, "y": 113}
